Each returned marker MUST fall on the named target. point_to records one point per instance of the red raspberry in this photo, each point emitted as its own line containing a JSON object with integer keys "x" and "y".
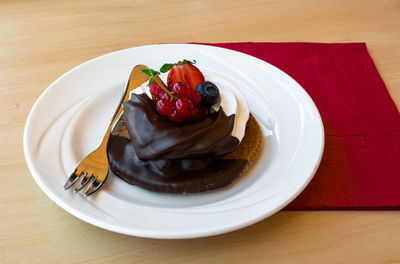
{"x": 183, "y": 106}
{"x": 176, "y": 117}
{"x": 156, "y": 91}
{"x": 181, "y": 90}
{"x": 166, "y": 96}
{"x": 195, "y": 97}
{"x": 164, "y": 107}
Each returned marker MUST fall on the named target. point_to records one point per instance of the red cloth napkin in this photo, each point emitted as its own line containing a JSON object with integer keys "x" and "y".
{"x": 360, "y": 164}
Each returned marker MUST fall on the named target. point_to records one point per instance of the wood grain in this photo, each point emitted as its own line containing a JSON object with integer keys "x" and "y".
{"x": 40, "y": 40}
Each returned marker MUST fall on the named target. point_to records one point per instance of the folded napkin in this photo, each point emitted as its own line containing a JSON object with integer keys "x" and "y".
{"x": 360, "y": 164}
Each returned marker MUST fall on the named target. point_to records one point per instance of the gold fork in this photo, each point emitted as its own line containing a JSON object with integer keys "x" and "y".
{"x": 94, "y": 167}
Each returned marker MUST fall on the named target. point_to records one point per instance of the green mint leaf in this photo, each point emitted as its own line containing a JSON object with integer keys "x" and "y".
{"x": 186, "y": 61}
{"x": 151, "y": 81}
{"x": 150, "y": 72}
{"x": 147, "y": 71}
{"x": 166, "y": 67}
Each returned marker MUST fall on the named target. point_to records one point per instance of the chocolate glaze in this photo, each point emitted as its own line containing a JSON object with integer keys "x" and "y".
{"x": 176, "y": 176}
{"x": 155, "y": 137}
{"x": 164, "y": 156}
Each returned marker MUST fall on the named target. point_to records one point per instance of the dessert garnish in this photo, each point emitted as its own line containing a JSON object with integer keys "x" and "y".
{"x": 186, "y": 96}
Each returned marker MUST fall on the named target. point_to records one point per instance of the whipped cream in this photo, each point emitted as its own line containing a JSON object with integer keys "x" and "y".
{"x": 231, "y": 100}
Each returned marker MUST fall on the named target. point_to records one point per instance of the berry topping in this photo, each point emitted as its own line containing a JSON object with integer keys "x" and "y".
{"x": 155, "y": 79}
{"x": 179, "y": 99}
{"x": 209, "y": 93}
{"x": 195, "y": 97}
{"x": 181, "y": 90}
{"x": 183, "y": 106}
{"x": 185, "y": 72}
{"x": 156, "y": 91}
{"x": 164, "y": 107}
{"x": 176, "y": 117}
{"x": 166, "y": 96}
{"x": 193, "y": 75}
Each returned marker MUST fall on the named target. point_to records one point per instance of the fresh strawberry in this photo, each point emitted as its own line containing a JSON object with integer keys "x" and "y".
{"x": 193, "y": 75}
{"x": 185, "y": 72}
{"x": 175, "y": 75}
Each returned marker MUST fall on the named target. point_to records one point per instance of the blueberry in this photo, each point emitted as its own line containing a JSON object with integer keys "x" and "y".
{"x": 209, "y": 93}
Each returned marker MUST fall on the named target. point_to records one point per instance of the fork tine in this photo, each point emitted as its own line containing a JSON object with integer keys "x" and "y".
{"x": 94, "y": 187}
{"x": 85, "y": 180}
{"x": 71, "y": 180}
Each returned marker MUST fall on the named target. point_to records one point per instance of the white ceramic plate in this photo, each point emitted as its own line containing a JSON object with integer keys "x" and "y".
{"x": 70, "y": 117}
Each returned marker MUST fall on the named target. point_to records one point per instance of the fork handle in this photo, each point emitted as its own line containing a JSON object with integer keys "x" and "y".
{"x": 136, "y": 78}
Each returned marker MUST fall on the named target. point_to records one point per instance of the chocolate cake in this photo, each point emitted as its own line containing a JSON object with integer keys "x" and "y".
{"x": 148, "y": 150}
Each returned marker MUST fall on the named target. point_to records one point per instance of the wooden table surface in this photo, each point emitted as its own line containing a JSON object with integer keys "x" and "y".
{"x": 40, "y": 40}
